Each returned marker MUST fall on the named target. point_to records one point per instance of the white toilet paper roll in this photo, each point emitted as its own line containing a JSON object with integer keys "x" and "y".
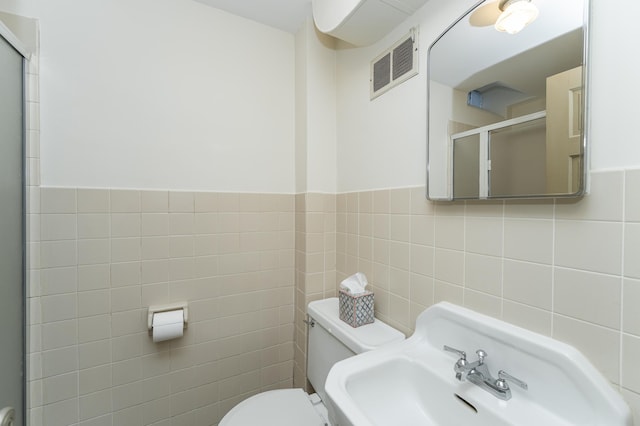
{"x": 167, "y": 325}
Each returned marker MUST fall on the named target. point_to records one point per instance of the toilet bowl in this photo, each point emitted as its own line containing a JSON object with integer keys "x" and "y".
{"x": 283, "y": 407}
{"x": 330, "y": 340}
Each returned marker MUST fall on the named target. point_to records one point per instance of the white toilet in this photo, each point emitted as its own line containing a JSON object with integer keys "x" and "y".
{"x": 330, "y": 340}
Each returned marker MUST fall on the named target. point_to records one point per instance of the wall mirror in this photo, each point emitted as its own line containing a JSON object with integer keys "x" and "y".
{"x": 506, "y": 111}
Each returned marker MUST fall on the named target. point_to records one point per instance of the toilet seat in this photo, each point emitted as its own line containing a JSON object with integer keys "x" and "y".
{"x": 283, "y": 407}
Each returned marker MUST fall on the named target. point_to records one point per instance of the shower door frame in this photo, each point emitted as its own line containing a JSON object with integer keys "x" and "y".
{"x": 14, "y": 42}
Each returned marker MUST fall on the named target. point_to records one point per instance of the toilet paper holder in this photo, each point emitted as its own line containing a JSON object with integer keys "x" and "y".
{"x": 166, "y": 308}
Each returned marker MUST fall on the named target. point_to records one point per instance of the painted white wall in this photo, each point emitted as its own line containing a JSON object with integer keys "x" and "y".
{"x": 301, "y": 109}
{"x": 316, "y": 166}
{"x": 382, "y": 143}
{"x": 110, "y": 118}
{"x": 378, "y": 140}
{"x": 163, "y": 94}
{"x": 441, "y": 182}
{"x": 321, "y": 113}
{"x": 614, "y": 82}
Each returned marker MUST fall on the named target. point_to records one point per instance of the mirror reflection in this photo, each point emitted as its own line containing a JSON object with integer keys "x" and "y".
{"x": 506, "y": 109}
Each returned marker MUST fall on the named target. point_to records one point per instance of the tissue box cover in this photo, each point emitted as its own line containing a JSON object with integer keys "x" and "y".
{"x": 356, "y": 310}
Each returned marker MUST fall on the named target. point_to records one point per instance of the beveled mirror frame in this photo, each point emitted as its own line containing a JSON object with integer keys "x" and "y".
{"x": 439, "y": 185}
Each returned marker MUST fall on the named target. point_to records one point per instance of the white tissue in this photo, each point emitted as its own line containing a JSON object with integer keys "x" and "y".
{"x": 355, "y": 284}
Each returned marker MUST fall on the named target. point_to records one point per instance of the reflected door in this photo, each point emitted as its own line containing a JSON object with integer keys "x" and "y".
{"x": 11, "y": 235}
{"x": 564, "y": 131}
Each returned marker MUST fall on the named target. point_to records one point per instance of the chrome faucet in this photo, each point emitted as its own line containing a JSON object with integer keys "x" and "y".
{"x": 478, "y": 373}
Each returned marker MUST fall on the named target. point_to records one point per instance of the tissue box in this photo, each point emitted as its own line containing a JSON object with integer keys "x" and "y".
{"x": 356, "y": 310}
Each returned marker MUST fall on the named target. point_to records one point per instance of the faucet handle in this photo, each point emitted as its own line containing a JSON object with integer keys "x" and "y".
{"x": 503, "y": 376}
{"x": 461, "y": 354}
{"x": 481, "y": 356}
{"x": 461, "y": 363}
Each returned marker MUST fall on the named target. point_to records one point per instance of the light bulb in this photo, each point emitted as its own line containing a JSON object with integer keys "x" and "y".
{"x": 516, "y": 16}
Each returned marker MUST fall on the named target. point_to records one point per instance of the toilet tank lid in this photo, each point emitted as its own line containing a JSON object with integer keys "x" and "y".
{"x": 360, "y": 339}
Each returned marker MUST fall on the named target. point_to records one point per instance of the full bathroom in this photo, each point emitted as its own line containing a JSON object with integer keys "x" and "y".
{"x": 236, "y": 160}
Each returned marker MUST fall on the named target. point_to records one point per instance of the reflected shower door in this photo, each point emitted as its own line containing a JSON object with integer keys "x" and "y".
{"x": 11, "y": 234}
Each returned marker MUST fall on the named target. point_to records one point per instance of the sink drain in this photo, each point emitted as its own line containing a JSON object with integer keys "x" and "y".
{"x": 466, "y": 403}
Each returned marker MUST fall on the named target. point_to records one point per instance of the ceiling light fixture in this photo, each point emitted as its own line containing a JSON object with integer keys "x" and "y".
{"x": 516, "y": 14}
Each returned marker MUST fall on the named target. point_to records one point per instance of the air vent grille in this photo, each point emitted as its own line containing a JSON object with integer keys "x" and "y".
{"x": 395, "y": 65}
{"x": 403, "y": 58}
{"x": 382, "y": 72}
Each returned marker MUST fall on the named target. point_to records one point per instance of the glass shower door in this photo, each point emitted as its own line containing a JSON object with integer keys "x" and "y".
{"x": 11, "y": 237}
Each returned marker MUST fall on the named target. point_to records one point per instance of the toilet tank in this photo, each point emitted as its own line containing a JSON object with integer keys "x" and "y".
{"x": 332, "y": 340}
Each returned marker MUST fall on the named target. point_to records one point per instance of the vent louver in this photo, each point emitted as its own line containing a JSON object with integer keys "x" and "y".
{"x": 382, "y": 72}
{"x": 403, "y": 58}
{"x": 395, "y": 65}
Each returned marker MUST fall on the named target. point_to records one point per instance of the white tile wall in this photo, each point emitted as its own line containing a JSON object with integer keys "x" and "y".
{"x": 106, "y": 255}
{"x": 567, "y": 269}
{"x": 315, "y": 264}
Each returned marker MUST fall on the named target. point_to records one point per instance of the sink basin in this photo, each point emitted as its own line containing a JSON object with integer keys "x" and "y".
{"x": 413, "y": 382}
{"x": 418, "y": 395}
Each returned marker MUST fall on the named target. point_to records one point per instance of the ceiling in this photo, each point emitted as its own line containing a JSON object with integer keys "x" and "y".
{"x": 473, "y": 45}
{"x": 287, "y": 15}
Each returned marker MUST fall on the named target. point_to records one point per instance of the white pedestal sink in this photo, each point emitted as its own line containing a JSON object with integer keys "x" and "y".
{"x": 413, "y": 382}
